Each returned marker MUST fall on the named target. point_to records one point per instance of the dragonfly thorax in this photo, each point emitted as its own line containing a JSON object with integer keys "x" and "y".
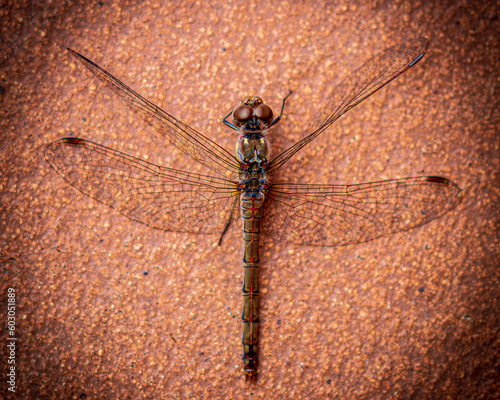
{"x": 253, "y": 151}
{"x": 253, "y": 185}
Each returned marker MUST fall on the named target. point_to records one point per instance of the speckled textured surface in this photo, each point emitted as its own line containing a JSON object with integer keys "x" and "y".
{"x": 414, "y": 315}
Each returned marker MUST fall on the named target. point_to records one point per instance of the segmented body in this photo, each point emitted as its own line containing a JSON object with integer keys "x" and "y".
{"x": 253, "y": 151}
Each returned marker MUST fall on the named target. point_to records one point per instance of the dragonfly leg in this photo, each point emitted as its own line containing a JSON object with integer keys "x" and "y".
{"x": 229, "y": 124}
{"x": 233, "y": 208}
{"x": 277, "y": 119}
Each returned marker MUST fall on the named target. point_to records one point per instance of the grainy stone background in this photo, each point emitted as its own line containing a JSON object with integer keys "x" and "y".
{"x": 410, "y": 316}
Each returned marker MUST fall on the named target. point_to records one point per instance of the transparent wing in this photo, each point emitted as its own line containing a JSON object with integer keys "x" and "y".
{"x": 337, "y": 214}
{"x": 185, "y": 138}
{"x": 159, "y": 197}
{"x": 358, "y": 86}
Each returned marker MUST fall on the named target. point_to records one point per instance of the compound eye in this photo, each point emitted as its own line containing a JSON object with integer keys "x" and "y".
{"x": 263, "y": 112}
{"x": 242, "y": 114}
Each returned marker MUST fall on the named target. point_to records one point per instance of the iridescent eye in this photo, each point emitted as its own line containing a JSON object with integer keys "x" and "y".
{"x": 242, "y": 114}
{"x": 263, "y": 112}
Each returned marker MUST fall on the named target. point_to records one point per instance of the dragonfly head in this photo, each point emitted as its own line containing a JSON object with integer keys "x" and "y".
{"x": 252, "y": 112}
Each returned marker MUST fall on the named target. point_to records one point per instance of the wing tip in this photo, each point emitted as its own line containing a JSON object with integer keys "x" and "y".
{"x": 425, "y": 45}
{"x": 438, "y": 179}
{"x": 73, "y": 140}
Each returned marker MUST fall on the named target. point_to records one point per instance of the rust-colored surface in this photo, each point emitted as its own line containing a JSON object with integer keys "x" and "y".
{"x": 110, "y": 309}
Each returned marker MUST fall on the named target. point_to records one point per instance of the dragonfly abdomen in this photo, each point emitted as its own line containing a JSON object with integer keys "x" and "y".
{"x": 251, "y": 212}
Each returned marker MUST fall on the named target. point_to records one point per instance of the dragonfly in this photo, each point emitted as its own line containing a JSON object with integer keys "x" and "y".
{"x": 301, "y": 214}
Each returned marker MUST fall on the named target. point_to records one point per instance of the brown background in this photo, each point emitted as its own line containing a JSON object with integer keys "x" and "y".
{"x": 414, "y": 315}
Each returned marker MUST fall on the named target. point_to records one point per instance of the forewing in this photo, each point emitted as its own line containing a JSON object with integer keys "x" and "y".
{"x": 358, "y": 86}
{"x": 336, "y": 215}
{"x": 185, "y": 138}
{"x": 159, "y": 197}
